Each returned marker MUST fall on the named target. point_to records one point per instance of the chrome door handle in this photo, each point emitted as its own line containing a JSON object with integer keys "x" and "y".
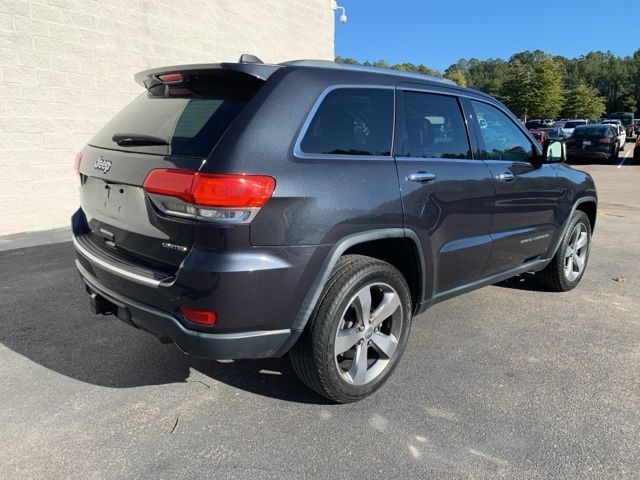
{"x": 421, "y": 177}
{"x": 506, "y": 177}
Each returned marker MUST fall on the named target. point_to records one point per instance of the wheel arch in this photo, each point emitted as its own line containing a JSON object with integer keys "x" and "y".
{"x": 370, "y": 241}
{"x": 588, "y": 205}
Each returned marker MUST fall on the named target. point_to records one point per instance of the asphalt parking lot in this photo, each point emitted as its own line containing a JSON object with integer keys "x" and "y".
{"x": 510, "y": 381}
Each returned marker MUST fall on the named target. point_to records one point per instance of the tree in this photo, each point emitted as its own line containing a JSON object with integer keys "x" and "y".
{"x": 583, "y": 101}
{"x": 349, "y": 61}
{"x": 456, "y": 74}
{"x": 516, "y": 89}
{"x": 547, "y": 93}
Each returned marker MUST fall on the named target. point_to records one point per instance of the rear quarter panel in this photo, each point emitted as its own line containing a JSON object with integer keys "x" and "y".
{"x": 316, "y": 200}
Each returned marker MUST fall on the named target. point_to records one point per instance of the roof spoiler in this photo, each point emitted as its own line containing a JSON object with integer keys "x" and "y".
{"x": 250, "y": 65}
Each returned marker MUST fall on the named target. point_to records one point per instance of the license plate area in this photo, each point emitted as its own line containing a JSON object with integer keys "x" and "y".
{"x": 114, "y": 199}
{"x": 586, "y": 143}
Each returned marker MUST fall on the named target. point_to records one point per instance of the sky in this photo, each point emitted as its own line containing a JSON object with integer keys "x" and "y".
{"x": 439, "y": 33}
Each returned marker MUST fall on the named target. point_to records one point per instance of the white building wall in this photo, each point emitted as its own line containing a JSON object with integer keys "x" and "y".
{"x": 66, "y": 67}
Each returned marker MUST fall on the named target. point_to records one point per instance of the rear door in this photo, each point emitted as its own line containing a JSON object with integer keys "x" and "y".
{"x": 173, "y": 125}
{"x": 525, "y": 213}
{"x": 447, "y": 195}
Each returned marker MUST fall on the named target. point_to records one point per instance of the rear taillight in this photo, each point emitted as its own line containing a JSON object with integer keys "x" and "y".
{"x": 201, "y": 317}
{"x": 227, "y": 198}
{"x": 77, "y": 162}
{"x": 606, "y": 140}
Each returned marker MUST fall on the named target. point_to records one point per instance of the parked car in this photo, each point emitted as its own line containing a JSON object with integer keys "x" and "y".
{"x": 622, "y": 134}
{"x": 626, "y": 118}
{"x": 311, "y": 209}
{"x": 600, "y": 141}
{"x": 568, "y": 127}
{"x": 559, "y": 123}
{"x": 636, "y": 150}
{"x": 553, "y": 133}
{"x": 534, "y": 124}
{"x": 547, "y": 122}
{"x": 539, "y": 135}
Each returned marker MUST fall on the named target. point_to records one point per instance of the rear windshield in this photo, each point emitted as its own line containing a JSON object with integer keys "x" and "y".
{"x": 185, "y": 120}
{"x": 574, "y": 124}
{"x": 592, "y": 130}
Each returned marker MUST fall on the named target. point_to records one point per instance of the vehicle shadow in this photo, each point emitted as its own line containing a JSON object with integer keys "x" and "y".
{"x": 525, "y": 281}
{"x": 44, "y": 316}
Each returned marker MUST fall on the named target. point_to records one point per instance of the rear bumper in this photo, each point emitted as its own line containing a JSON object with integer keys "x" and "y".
{"x": 255, "y": 344}
{"x": 580, "y": 153}
{"x": 256, "y": 292}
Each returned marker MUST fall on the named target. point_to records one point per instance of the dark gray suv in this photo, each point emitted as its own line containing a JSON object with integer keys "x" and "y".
{"x": 246, "y": 210}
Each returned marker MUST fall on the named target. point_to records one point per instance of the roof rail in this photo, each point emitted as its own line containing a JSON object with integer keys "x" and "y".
{"x": 365, "y": 68}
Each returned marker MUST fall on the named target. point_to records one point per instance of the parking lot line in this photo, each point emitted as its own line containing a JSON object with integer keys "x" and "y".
{"x": 625, "y": 157}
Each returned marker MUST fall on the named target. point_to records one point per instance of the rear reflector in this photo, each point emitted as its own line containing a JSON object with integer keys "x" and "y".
{"x": 77, "y": 162}
{"x": 211, "y": 190}
{"x": 201, "y": 317}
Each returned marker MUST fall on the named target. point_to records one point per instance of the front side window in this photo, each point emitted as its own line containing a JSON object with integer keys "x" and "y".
{"x": 503, "y": 140}
{"x": 433, "y": 127}
{"x": 352, "y": 121}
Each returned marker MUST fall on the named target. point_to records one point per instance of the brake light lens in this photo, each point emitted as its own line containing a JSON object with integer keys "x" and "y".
{"x": 606, "y": 140}
{"x": 173, "y": 183}
{"x": 237, "y": 191}
{"x": 201, "y": 317}
{"x": 217, "y": 197}
{"x": 77, "y": 162}
{"x": 170, "y": 78}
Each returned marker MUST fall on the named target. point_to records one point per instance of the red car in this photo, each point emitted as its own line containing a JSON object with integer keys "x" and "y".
{"x": 539, "y": 136}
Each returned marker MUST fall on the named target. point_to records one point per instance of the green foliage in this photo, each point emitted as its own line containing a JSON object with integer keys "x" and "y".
{"x": 456, "y": 74}
{"x": 535, "y": 84}
{"x": 547, "y": 91}
{"x": 515, "y": 91}
{"x": 583, "y": 101}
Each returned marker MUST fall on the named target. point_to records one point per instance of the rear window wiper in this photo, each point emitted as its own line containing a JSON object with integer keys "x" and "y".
{"x": 137, "y": 139}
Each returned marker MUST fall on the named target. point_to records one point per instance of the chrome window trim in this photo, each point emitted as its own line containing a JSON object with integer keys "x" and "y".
{"x": 436, "y": 159}
{"x": 297, "y": 150}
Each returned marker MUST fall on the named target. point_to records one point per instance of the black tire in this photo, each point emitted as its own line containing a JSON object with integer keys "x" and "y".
{"x": 313, "y": 357}
{"x": 553, "y": 276}
{"x": 616, "y": 152}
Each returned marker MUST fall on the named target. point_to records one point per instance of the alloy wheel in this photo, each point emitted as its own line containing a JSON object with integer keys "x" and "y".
{"x": 368, "y": 333}
{"x": 576, "y": 253}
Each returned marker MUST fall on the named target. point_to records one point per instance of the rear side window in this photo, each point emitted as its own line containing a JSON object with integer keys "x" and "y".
{"x": 434, "y": 127}
{"x": 183, "y": 120}
{"x": 352, "y": 121}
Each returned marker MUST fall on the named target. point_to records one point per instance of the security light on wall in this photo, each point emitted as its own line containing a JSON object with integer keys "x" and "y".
{"x": 343, "y": 17}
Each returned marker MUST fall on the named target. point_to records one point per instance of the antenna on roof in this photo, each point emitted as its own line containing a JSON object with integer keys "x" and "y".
{"x": 248, "y": 58}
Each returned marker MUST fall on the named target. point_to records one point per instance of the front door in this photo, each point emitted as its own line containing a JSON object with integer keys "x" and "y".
{"x": 525, "y": 215}
{"x": 447, "y": 196}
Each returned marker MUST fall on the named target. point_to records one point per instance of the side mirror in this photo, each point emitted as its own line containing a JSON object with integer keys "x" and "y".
{"x": 553, "y": 151}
